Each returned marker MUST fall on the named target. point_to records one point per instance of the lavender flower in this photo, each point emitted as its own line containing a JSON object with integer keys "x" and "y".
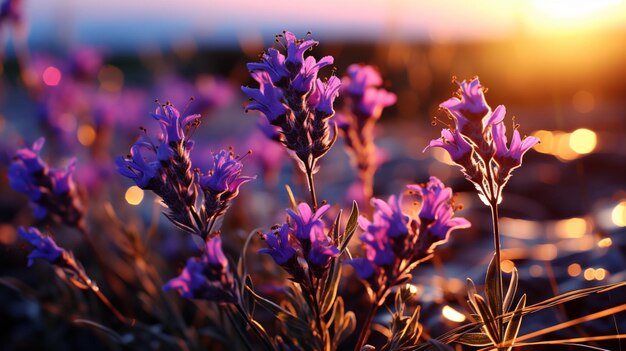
{"x": 221, "y": 183}
{"x": 279, "y": 248}
{"x": 400, "y": 236}
{"x": 44, "y": 246}
{"x": 477, "y": 142}
{"x": 306, "y": 237}
{"x": 172, "y": 126}
{"x": 294, "y": 100}
{"x": 305, "y": 219}
{"x": 322, "y": 250}
{"x": 164, "y": 166}
{"x": 51, "y": 191}
{"x": 206, "y": 277}
{"x": 364, "y": 103}
{"x": 509, "y": 158}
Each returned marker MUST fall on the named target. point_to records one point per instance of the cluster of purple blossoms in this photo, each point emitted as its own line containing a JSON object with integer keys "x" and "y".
{"x": 51, "y": 192}
{"x": 304, "y": 238}
{"x": 164, "y": 167}
{"x": 296, "y": 103}
{"x": 364, "y": 104}
{"x": 478, "y": 143}
{"x": 44, "y": 246}
{"x": 207, "y": 277}
{"x": 401, "y": 234}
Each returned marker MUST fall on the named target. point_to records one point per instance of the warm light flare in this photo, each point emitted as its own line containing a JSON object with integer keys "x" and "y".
{"x": 507, "y": 266}
{"x": 452, "y": 314}
{"x": 573, "y": 9}
{"x": 86, "y": 135}
{"x": 604, "y": 243}
{"x": 134, "y": 195}
{"x": 574, "y": 270}
{"x": 618, "y": 215}
{"x": 571, "y": 228}
{"x": 583, "y": 141}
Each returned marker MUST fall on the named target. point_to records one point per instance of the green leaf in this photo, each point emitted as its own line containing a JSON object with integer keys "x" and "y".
{"x": 512, "y": 329}
{"x": 471, "y": 292}
{"x": 271, "y": 306}
{"x": 490, "y": 324}
{"x": 330, "y": 291}
{"x": 348, "y": 325}
{"x": 350, "y": 227}
{"x": 292, "y": 200}
{"x": 248, "y": 300}
{"x": 474, "y": 339}
{"x": 493, "y": 292}
{"x": 510, "y": 293}
{"x": 336, "y": 228}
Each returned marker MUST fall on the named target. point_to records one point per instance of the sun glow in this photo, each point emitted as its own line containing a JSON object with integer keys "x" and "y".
{"x": 452, "y": 314}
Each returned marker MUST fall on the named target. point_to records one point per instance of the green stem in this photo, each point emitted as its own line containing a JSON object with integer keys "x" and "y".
{"x": 365, "y": 331}
{"x": 311, "y": 185}
{"x": 499, "y": 288}
{"x": 316, "y": 308}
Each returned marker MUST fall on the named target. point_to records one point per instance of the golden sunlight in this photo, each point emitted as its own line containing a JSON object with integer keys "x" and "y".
{"x": 452, "y": 314}
{"x": 573, "y": 14}
{"x": 134, "y": 195}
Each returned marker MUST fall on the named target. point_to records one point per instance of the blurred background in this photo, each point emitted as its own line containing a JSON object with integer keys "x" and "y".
{"x": 86, "y": 75}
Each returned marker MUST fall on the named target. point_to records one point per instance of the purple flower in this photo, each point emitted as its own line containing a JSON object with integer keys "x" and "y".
{"x": 517, "y": 148}
{"x": 224, "y": 174}
{"x": 51, "y": 191}
{"x": 267, "y": 100}
{"x": 44, "y": 246}
{"x": 322, "y": 250}
{"x": 294, "y": 100}
{"x": 391, "y": 214}
{"x": 436, "y": 213}
{"x": 479, "y": 144}
{"x": 305, "y": 220}
{"x": 364, "y": 268}
{"x": 401, "y": 234}
{"x": 144, "y": 172}
{"x": 172, "y": 125}
{"x": 206, "y": 277}
{"x": 454, "y": 143}
{"x": 361, "y": 77}
{"x": 377, "y": 241}
{"x": 303, "y": 81}
{"x": 296, "y": 49}
{"x": 328, "y": 92}
{"x": 31, "y": 158}
{"x": 367, "y": 100}
{"x": 273, "y": 62}
{"x": 434, "y": 196}
{"x": 280, "y": 248}
{"x": 472, "y": 103}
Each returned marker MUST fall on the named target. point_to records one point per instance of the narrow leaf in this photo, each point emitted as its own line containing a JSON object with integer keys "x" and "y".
{"x": 336, "y": 228}
{"x": 474, "y": 339}
{"x": 292, "y": 200}
{"x": 512, "y": 329}
{"x": 331, "y": 290}
{"x": 350, "y": 226}
{"x": 510, "y": 293}
{"x": 492, "y": 291}
{"x": 490, "y": 324}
